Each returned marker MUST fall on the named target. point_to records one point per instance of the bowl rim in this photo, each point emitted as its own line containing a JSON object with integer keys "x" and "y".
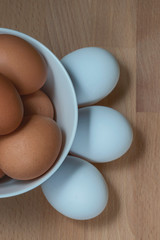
{"x": 64, "y": 154}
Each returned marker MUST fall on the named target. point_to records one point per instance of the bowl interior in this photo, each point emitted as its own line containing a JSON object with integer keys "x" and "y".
{"x": 61, "y": 92}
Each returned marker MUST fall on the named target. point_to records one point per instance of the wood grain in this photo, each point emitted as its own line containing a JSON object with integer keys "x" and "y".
{"x": 148, "y": 58}
{"x": 129, "y": 29}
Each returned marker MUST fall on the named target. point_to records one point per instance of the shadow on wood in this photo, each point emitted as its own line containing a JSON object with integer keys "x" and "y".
{"x": 120, "y": 90}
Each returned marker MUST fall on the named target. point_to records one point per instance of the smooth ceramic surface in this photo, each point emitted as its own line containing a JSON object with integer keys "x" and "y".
{"x": 60, "y": 90}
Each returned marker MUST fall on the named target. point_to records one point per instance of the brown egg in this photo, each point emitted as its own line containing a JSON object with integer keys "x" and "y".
{"x": 11, "y": 107}
{"x": 2, "y": 174}
{"x": 32, "y": 149}
{"x": 38, "y": 103}
{"x": 22, "y": 64}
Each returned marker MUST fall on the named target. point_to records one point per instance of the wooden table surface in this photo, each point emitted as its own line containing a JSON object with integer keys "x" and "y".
{"x": 130, "y": 30}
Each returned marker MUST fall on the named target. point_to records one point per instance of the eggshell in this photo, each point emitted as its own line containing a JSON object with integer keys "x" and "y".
{"x": 77, "y": 189}
{"x": 2, "y": 174}
{"x": 94, "y": 73}
{"x": 11, "y": 107}
{"x": 32, "y": 149}
{"x": 38, "y": 103}
{"x": 103, "y": 134}
{"x": 22, "y": 64}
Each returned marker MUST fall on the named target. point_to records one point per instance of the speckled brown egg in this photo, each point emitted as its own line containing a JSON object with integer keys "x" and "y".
{"x": 32, "y": 149}
{"x": 38, "y": 103}
{"x": 2, "y": 174}
{"x": 22, "y": 63}
{"x": 11, "y": 107}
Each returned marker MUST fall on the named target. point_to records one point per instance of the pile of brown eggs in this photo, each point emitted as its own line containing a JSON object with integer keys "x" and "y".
{"x": 30, "y": 140}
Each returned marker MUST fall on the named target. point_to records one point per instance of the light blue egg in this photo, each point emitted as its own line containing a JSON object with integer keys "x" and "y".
{"x": 103, "y": 134}
{"x": 94, "y": 73}
{"x": 77, "y": 189}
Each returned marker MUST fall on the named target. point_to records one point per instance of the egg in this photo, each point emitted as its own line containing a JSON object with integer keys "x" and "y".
{"x": 77, "y": 189}
{"x": 103, "y": 134}
{"x": 32, "y": 149}
{"x": 2, "y": 174}
{"x": 94, "y": 73}
{"x": 22, "y": 64}
{"x": 38, "y": 103}
{"x": 11, "y": 107}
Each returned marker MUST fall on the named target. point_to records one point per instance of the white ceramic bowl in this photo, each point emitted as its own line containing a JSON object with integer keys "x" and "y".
{"x": 60, "y": 90}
